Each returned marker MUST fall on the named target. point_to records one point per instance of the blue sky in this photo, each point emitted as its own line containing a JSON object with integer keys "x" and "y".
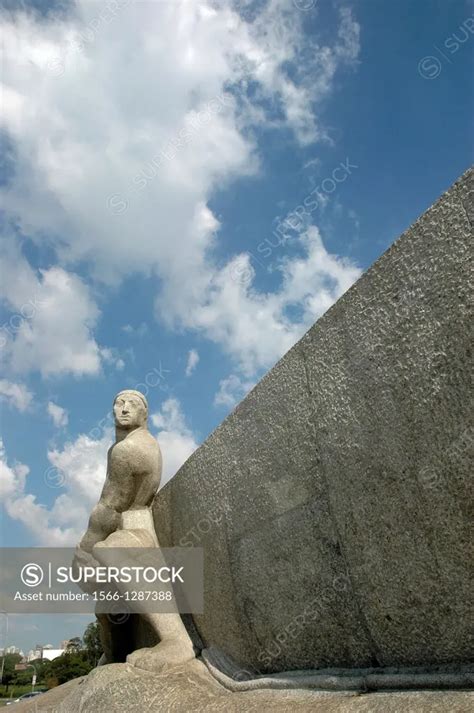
{"x": 151, "y": 154}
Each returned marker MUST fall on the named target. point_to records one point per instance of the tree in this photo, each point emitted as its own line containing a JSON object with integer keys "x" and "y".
{"x": 92, "y": 643}
{"x": 9, "y": 673}
{"x": 65, "y": 667}
{"x": 74, "y": 644}
{"x": 40, "y": 665}
{"x": 22, "y": 677}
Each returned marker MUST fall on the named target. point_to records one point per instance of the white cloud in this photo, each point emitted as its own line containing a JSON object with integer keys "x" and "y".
{"x": 111, "y": 356}
{"x": 79, "y": 470}
{"x": 193, "y": 359}
{"x": 255, "y": 328}
{"x": 12, "y": 477}
{"x": 231, "y": 390}
{"x": 58, "y": 527}
{"x": 175, "y": 119}
{"x": 138, "y": 331}
{"x": 82, "y": 465}
{"x": 17, "y": 395}
{"x": 176, "y": 440}
{"x": 51, "y": 322}
{"x": 58, "y": 414}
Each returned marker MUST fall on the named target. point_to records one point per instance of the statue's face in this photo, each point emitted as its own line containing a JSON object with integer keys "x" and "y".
{"x": 129, "y": 412}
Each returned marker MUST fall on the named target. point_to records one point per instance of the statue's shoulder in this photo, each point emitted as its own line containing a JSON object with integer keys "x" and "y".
{"x": 141, "y": 442}
{"x": 150, "y": 443}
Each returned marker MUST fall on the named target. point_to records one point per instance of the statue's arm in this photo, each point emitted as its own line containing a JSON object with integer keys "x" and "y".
{"x": 125, "y": 474}
{"x": 102, "y": 522}
{"x": 105, "y": 516}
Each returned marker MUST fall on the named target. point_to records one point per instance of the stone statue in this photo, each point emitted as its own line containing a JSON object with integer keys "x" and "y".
{"x": 133, "y": 469}
{"x": 122, "y": 518}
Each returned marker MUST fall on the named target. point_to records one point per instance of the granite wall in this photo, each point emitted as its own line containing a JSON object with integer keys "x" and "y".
{"x": 333, "y": 503}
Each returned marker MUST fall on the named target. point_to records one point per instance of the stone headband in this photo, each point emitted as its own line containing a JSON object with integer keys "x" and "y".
{"x": 133, "y": 393}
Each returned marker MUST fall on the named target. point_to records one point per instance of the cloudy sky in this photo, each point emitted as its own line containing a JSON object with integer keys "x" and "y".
{"x": 186, "y": 186}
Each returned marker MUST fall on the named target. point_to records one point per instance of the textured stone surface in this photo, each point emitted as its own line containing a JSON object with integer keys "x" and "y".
{"x": 120, "y": 688}
{"x": 333, "y": 503}
{"x": 232, "y": 677}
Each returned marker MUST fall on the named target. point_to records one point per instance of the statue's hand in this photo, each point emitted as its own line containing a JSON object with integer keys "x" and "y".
{"x": 84, "y": 559}
{"x": 165, "y": 655}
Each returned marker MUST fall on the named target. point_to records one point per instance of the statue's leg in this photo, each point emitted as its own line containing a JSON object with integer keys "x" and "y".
{"x": 175, "y": 645}
{"x": 105, "y": 639}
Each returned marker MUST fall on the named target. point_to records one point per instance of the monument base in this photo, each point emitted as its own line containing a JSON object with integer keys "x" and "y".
{"x": 122, "y": 688}
{"x": 235, "y": 678}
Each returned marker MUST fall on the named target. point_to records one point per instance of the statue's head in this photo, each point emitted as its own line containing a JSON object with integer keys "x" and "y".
{"x": 130, "y": 410}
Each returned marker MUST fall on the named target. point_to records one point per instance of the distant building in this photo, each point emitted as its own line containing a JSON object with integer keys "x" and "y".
{"x": 40, "y": 652}
{"x": 50, "y": 653}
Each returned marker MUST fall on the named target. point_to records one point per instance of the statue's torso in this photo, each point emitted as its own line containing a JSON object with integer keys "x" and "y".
{"x": 133, "y": 472}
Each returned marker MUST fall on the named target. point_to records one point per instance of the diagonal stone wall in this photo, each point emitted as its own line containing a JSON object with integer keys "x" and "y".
{"x": 333, "y": 503}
